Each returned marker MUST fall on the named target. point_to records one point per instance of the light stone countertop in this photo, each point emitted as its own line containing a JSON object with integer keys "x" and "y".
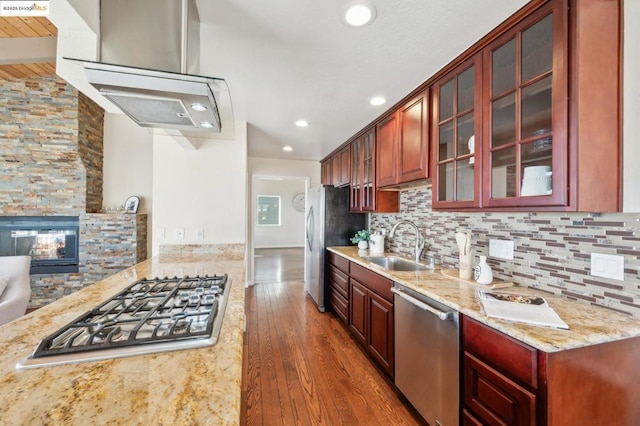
{"x": 589, "y": 325}
{"x": 193, "y": 386}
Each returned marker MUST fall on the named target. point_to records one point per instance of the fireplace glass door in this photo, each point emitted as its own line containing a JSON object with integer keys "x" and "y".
{"x": 52, "y": 243}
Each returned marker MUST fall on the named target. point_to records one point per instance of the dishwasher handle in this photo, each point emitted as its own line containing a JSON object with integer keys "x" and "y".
{"x": 425, "y": 307}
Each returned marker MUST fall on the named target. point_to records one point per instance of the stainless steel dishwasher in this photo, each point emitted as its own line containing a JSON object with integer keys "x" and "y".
{"x": 427, "y": 356}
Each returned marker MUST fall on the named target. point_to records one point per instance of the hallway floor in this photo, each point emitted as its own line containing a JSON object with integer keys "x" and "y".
{"x": 301, "y": 366}
{"x": 279, "y": 264}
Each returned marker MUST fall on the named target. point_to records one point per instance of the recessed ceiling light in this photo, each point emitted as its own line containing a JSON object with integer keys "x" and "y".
{"x": 198, "y": 107}
{"x": 206, "y": 124}
{"x": 302, "y": 123}
{"x": 378, "y": 100}
{"x": 359, "y": 13}
{"x": 287, "y": 148}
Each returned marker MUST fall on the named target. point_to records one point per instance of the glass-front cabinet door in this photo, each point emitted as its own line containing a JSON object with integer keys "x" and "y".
{"x": 525, "y": 107}
{"x": 368, "y": 171}
{"x": 355, "y": 185}
{"x": 362, "y": 183}
{"x": 456, "y": 136}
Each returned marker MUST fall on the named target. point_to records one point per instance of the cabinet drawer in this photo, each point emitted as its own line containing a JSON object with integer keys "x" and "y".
{"x": 339, "y": 262}
{"x": 494, "y": 398}
{"x": 339, "y": 304}
{"x": 504, "y": 353}
{"x": 469, "y": 420}
{"x": 339, "y": 280}
{"x": 372, "y": 281}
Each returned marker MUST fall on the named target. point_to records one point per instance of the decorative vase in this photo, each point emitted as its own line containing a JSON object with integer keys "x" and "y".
{"x": 363, "y": 245}
{"x": 482, "y": 273}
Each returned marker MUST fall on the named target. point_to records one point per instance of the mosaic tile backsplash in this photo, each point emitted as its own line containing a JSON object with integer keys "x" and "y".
{"x": 552, "y": 251}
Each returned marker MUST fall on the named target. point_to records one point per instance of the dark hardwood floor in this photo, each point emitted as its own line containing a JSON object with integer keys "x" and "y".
{"x": 302, "y": 367}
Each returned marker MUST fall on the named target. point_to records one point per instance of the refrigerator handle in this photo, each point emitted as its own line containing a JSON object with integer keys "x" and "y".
{"x": 310, "y": 228}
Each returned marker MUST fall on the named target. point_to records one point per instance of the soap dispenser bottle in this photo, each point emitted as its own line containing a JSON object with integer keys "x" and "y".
{"x": 482, "y": 272}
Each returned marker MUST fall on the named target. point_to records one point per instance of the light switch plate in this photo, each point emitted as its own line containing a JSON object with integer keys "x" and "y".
{"x": 199, "y": 234}
{"x": 179, "y": 233}
{"x": 607, "y": 266}
{"x": 160, "y": 233}
{"x": 501, "y": 249}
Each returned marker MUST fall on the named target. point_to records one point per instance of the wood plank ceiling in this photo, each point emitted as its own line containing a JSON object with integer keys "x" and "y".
{"x": 27, "y": 26}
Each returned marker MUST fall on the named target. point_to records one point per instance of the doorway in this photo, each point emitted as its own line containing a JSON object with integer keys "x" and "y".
{"x": 278, "y": 229}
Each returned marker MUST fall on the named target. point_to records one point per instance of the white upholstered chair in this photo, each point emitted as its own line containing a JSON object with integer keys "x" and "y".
{"x": 15, "y": 298}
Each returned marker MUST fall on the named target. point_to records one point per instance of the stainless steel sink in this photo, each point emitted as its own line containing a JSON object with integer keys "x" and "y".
{"x": 394, "y": 263}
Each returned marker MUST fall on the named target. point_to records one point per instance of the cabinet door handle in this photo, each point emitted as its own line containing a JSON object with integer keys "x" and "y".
{"x": 420, "y": 304}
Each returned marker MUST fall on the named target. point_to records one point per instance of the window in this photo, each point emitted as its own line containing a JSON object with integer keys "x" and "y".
{"x": 269, "y": 210}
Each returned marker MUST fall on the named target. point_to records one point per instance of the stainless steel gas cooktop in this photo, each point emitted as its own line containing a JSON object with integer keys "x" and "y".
{"x": 149, "y": 316}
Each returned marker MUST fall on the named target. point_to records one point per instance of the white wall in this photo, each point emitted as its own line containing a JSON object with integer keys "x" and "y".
{"x": 285, "y": 168}
{"x": 290, "y": 233}
{"x": 128, "y": 162}
{"x": 200, "y": 189}
{"x": 128, "y": 165}
{"x": 631, "y": 130}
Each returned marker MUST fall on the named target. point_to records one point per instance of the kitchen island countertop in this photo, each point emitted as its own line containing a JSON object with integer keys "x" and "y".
{"x": 194, "y": 386}
{"x": 589, "y": 325}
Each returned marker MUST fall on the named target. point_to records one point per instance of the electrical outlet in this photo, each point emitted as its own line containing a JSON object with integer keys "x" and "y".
{"x": 501, "y": 249}
{"x": 179, "y": 233}
{"x": 160, "y": 233}
{"x": 607, "y": 266}
{"x": 199, "y": 234}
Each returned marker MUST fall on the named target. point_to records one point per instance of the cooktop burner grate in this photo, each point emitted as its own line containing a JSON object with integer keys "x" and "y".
{"x": 155, "y": 314}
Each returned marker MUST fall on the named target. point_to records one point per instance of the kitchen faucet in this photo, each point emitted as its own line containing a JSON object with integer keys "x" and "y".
{"x": 419, "y": 247}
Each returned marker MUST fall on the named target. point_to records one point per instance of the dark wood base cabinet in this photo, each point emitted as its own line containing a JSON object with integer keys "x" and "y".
{"x": 506, "y": 382}
{"x": 371, "y": 314}
{"x": 363, "y": 301}
{"x": 380, "y": 333}
{"x": 358, "y": 311}
{"x": 339, "y": 286}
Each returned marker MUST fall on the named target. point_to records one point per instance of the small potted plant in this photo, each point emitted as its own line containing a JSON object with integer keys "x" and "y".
{"x": 361, "y": 239}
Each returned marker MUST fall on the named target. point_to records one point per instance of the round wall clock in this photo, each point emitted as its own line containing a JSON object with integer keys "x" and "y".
{"x": 298, "y": 202}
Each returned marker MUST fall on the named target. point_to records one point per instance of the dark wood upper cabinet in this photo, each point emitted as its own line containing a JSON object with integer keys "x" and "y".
{"x": 413, "y": 139}
{"x": 365, "y": 196}
{"x": 525, "y": 108}
{"x": 549, "y": 134}
{"x": 403, "y": 143}
{"x": 341, "y": 167}
{"x": 345, "y": 165}
{"x": 387, "y": 151}
{"x": 527, "y": 119}
{"x": 335, "y": 169}
{"x": 325, "y": 172}
{"x": 457, "y": 135}
{"x": 363, "y": 189}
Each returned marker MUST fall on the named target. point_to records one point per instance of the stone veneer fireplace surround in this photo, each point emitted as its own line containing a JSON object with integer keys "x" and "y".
{"x": 51, "y": 165}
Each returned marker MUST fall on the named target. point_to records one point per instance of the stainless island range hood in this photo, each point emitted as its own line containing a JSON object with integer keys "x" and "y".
{"x": 149, "y": 60}
{"x": 159, "y": 99}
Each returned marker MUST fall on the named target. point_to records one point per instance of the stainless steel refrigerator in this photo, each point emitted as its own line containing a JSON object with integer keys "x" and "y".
{"x": 328, "y": 223}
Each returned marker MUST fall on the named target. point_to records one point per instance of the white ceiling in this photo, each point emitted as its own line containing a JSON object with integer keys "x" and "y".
{"x": 286, "y": 60}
